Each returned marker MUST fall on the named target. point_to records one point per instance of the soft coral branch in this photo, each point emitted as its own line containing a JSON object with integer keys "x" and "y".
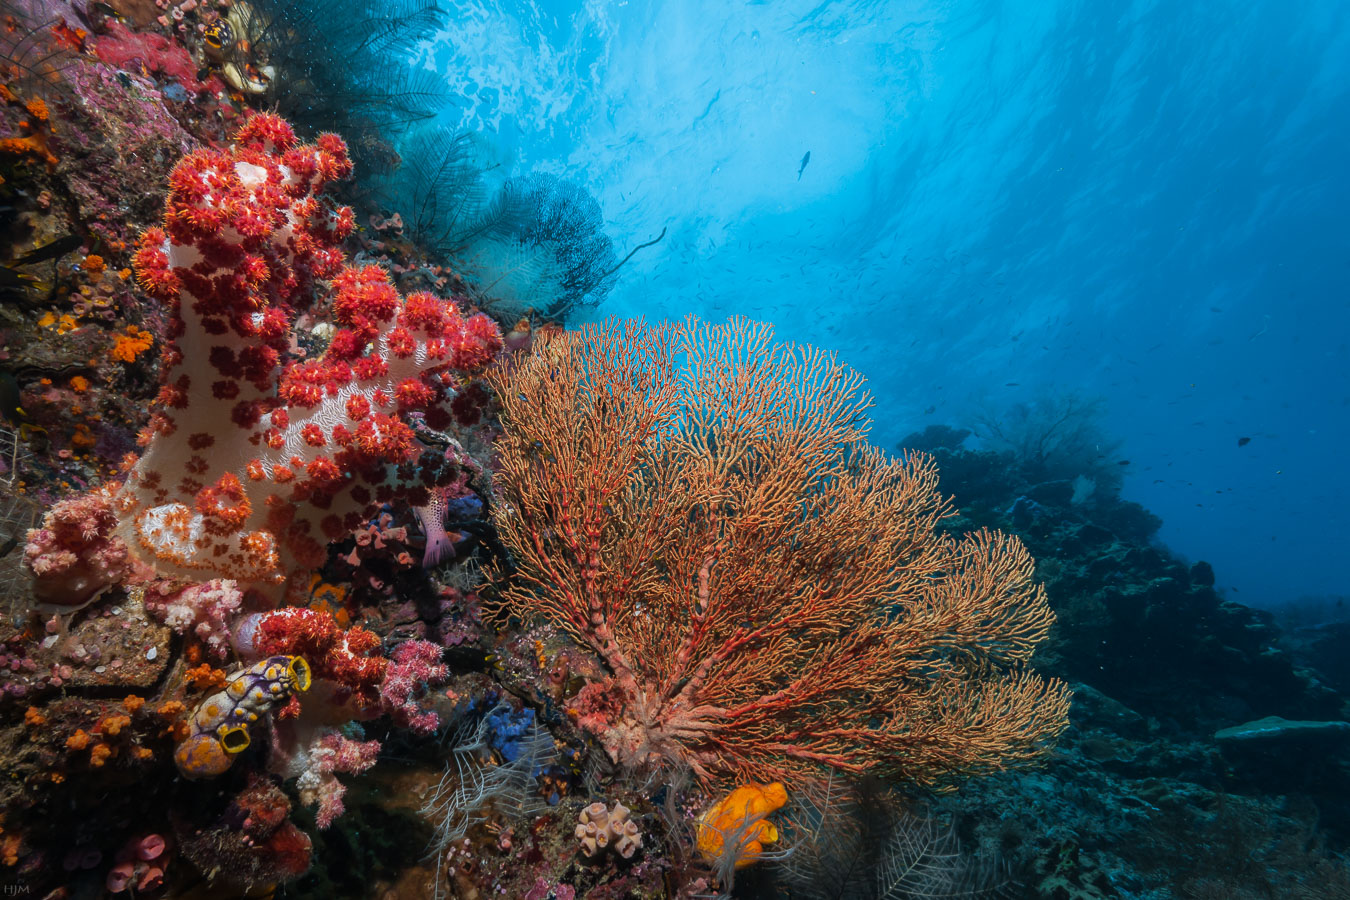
{"x": 253, "y": 463}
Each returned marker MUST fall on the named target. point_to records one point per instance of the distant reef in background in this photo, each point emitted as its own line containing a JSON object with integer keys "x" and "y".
{"x": 1209, "y": 752}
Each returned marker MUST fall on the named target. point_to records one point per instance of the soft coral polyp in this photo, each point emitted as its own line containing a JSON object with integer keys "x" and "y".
{"x": 294, "y": 445}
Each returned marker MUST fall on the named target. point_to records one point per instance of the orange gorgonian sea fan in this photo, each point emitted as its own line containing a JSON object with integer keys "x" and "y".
{"x": 768, "y": 593}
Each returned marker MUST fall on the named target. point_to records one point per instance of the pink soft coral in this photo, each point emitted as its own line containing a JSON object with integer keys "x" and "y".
{"x": 205, "y": 609}
{"x": 415, "y": 667}
{"x": 331, "y": 754}
{"x": 75, "y": 556}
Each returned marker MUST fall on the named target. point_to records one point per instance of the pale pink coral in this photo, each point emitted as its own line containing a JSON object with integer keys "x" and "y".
{"x": 331, "y": 754}
{"x": 75, "y": 556}
{"x": 204, "y": 609}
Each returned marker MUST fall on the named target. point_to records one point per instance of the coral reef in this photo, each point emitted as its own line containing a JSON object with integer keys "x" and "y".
{"x": 703, "y": 579}
{"x": 346, "y": 657}
{"x": 1136, "y": 622}
{"x": 251, "y": 843}
{"x": 657, "y": 517}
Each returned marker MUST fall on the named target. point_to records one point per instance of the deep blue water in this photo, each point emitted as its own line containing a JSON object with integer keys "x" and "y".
{"x": 1145, "y": 202}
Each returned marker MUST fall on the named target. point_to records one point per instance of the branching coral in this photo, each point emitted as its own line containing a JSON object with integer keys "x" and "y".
{"x": 331, "y": 754}
{"x": 204, "y": 609}
{"x": 698, "y": 506}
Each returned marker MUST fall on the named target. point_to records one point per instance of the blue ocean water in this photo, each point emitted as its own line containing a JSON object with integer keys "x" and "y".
{"x": 1143, "y": 202}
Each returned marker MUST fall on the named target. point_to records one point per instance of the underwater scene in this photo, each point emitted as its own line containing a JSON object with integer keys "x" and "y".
{"x": 603, "y": 449}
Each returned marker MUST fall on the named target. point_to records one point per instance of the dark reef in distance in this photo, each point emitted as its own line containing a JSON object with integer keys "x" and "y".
{"x": 1208, "y": 754}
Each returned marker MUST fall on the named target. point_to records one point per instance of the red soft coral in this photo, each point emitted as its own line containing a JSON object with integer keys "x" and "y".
{"x": 348, "y": 657}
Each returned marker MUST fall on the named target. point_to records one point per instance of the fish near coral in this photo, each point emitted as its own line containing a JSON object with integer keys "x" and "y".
{"x": 432, "y": 519}
{"x": 220, "y": 725}
{"x": 448, "y": 501}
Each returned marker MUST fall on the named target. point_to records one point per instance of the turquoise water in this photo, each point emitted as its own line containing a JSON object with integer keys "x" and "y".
{"x": 1141, "y": 202}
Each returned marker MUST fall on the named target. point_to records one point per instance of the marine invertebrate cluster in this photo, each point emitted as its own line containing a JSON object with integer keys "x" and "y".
{"x": 251, "y": 844}
{"x": 698, "y": 505}
{"x": 349, "y": 657}
{"x": 131, "y": 343}
{"x": 252, "y": 463}
{"x": 601, "y": 827}
{"x": 76, "y": 555}
{"x": 151, "y": 52}
{"x": 36, "y": 129}
{"x": 205, "y": 610}
{"x": 414, "y": 669}
{"x": 331, "y": 754}
{"x": 219, "y": 728}
{"x": 139, "y": 865}
{"x": 472, "y": 782}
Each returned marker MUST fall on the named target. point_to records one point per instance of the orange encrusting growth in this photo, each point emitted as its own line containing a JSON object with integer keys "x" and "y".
{"x": 738, "y": 823}
{"x": 770, "y": 594}
{"x": 131, "y": 344}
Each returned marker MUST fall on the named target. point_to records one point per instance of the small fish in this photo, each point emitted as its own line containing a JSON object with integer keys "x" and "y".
{"x": 106, "y": 11}
{"x": 12, "y": 279}
{"x": 10, "y": 393}
{"x": 1013, "y": 384}
{"x": 441, "y": 543}
{"x": 1244, "y": 441}
{"x": 805, "y": 159}
{"x": 57, "y": 248}
{"x": 432, "y": 519}
{"x": 930, "y": 410}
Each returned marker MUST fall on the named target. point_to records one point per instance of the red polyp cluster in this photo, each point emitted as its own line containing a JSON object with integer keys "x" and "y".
{"x": 255, "y": 461}
{"x": 350, "y": 658}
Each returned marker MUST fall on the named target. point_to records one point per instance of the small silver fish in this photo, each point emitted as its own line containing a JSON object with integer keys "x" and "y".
{"x": 805, "y": 159}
